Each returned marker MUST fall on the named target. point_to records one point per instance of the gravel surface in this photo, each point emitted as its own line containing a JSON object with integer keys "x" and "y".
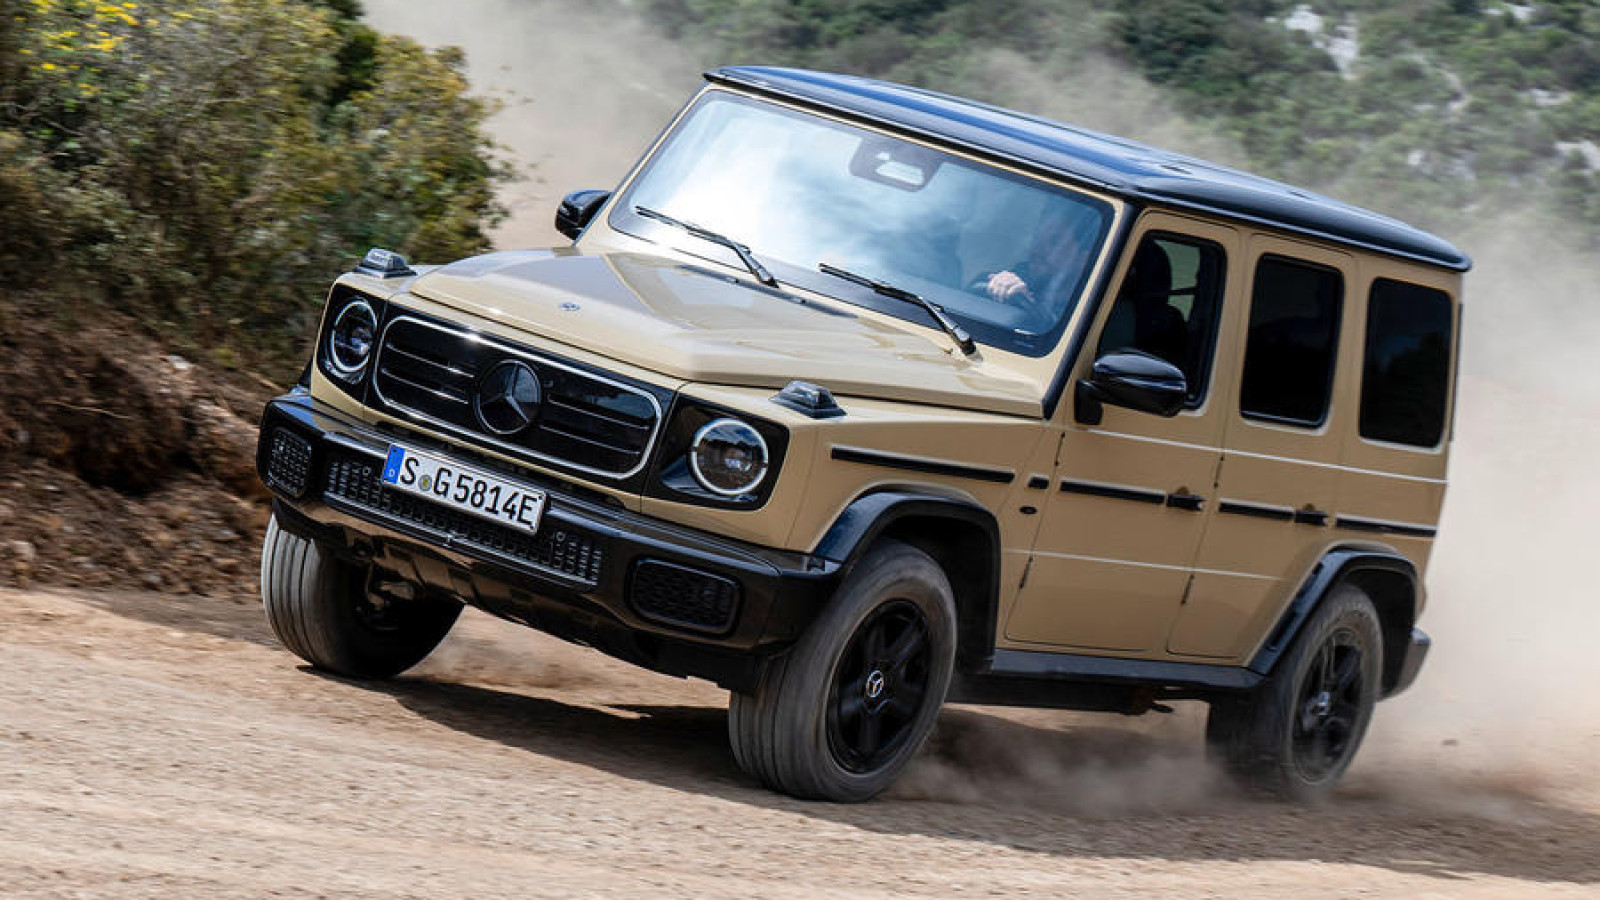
{"x": 161, "y": 746}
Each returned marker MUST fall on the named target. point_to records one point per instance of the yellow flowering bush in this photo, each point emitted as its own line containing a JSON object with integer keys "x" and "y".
{"x": 211, "y": 164}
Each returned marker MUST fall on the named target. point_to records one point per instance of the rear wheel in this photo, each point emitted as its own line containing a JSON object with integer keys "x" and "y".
{"x": 842, "y": 714}
{"x": 319, "y": 607}
{"x": 1296, "y": 735}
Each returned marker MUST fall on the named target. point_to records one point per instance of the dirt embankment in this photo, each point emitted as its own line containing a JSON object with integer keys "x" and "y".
{"x": 121, "y": 464}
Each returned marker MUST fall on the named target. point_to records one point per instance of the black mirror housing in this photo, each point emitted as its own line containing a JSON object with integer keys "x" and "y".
{"x": 577, "y": 210}
{"x": 1133, "y": 380}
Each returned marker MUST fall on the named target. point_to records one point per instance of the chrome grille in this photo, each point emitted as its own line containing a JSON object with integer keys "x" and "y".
{"x": 585, "y": 421}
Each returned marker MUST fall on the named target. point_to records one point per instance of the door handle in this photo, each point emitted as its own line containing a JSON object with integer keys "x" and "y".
{"x": 1182, "y": 499}
{"x": 1310, "y": 515}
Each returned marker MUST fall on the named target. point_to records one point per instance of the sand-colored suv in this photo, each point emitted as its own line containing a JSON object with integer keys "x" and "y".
{"x": 857, "y": 399}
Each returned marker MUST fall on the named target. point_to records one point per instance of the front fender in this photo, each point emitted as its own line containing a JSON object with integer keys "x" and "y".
{"x": 948, "y": 529}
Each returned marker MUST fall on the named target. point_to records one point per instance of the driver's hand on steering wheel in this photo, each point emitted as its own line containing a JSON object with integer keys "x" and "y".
{"x": 1007, "y": 287}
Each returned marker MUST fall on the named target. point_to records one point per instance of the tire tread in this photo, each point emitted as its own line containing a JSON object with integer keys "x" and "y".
{"x": 776, "y": 733}
{"x": 307, "y": 595}
{"x": 1246, "y": 735}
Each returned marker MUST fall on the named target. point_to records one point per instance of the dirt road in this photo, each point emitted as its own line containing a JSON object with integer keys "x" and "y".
{"x": 152, "y": 746}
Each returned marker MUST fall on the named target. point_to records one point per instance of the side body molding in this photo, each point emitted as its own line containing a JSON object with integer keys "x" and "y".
{"x": 949, "y": 529}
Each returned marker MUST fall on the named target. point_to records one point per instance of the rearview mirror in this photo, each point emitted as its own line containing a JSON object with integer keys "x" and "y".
{"x": 1133, "y": 380}
{"x": 577, "y": 209}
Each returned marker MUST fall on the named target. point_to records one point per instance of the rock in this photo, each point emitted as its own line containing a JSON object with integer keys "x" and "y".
{"x": 160, "y": 538}
{"x": 100, "y": 406}
{"x": 22, "y": 552}
{"x": 224, "y": 445}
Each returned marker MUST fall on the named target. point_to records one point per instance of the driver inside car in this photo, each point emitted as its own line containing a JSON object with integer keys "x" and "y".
{"x": 1062, "y": 245}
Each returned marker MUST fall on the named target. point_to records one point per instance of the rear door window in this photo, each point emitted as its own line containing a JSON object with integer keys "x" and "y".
{"x": 1292, "y": 343}
{"x": 1405, "y": 381}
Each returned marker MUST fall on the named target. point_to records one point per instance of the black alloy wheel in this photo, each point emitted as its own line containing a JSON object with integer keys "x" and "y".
{"x": 376, "y": 614}
{"x": 839, "y": 715}
{"x": 1295, "y": 735}
{"x": 879, "y": 687}
{"x": 1329, "y": 706}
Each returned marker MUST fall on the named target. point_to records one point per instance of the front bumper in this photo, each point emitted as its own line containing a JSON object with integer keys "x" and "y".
{"x": 1415, "y": 653}
{"x": 658, "y": 594}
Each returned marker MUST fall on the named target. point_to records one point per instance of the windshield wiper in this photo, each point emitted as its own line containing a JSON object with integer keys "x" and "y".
{"x": 706, "y": 234}
{"x": 885, "y": 289}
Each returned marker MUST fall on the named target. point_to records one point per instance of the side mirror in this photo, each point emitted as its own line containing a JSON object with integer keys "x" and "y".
{"x": 577, "y": 209}
{"x": 1134, "y": 380}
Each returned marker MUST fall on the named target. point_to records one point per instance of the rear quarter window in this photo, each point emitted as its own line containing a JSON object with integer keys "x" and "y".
{"x": 1405, "y": 381}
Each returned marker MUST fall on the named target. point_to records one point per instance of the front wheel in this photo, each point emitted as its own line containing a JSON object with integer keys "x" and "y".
{"x": 1296, "y": 735}
{"x": 841, "y": 714}
{"x": 319, "y": 608}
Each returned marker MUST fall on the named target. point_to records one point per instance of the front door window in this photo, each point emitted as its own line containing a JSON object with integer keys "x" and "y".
{"x": 1167, "y": 306}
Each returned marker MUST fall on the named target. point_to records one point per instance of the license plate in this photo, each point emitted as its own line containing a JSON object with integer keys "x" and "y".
{"x": 465, "y": 488}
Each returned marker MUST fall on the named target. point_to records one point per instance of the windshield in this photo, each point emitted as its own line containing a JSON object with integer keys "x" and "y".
{"x": 1005, "y": 255}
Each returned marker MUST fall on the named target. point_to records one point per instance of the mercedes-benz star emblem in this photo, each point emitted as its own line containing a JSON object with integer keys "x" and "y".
{"x": 508, "y": 398}
{"x": 875, "y": 684}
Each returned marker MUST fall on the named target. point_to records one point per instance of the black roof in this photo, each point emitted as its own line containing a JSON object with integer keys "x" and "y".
{"x": 1114, "y": 164}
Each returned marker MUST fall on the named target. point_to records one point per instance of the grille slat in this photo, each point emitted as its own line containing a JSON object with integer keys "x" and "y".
{"x": 434, "y": 389}
{"x": 554, "y": 548}
{"x": 588, "y": 421}
{"x": 414, "y": 356}
{"x": 576, "y": 409}
{"x": 593, "y": 442}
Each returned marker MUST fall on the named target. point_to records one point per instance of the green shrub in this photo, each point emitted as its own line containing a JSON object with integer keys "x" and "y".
{"x": 213, "y": 163}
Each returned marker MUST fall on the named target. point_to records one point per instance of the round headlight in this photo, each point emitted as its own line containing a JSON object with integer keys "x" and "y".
{"x": 351, "y": 337}
{"x": 728, "y": 457}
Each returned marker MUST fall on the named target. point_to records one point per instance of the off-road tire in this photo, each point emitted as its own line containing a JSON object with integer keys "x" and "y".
{"x": 317, "y": 605}
{"x": 1263, "y": 740}
{"x": 791, "y": 732}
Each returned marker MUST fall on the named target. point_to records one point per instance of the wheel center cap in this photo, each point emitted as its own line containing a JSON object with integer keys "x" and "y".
{"x": 1322, "y": 705}
{"x": 876, "y": 684}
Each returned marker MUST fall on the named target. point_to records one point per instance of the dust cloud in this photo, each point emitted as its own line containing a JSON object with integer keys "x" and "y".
{"x": 1513, "y": 598}
{"x": 1503, "y": 715}
{"x": 584, "y": 87}
{"x": 485, "y": 651}
{"x": 1085, "y": 765}
{"x": 1103, "y": 96}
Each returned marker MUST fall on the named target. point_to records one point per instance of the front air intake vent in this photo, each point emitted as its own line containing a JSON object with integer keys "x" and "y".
{"x": 289, "y": 463}
{"x": 682, "y": 596}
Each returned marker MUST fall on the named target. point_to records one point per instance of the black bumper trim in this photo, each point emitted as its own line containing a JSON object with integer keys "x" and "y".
{"x": 446, "y": 527}
{"x": 780, "y": 591}
{"x": 1416, "y": 653}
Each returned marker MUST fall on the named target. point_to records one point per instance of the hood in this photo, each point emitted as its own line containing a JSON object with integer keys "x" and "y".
{"x": 696, "y": 324}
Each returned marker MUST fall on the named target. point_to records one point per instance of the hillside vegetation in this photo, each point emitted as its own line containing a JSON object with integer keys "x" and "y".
{"x": 1422, "y": 108}
{"x": 203, "y": 167}
{"x": 179, "y": 183}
